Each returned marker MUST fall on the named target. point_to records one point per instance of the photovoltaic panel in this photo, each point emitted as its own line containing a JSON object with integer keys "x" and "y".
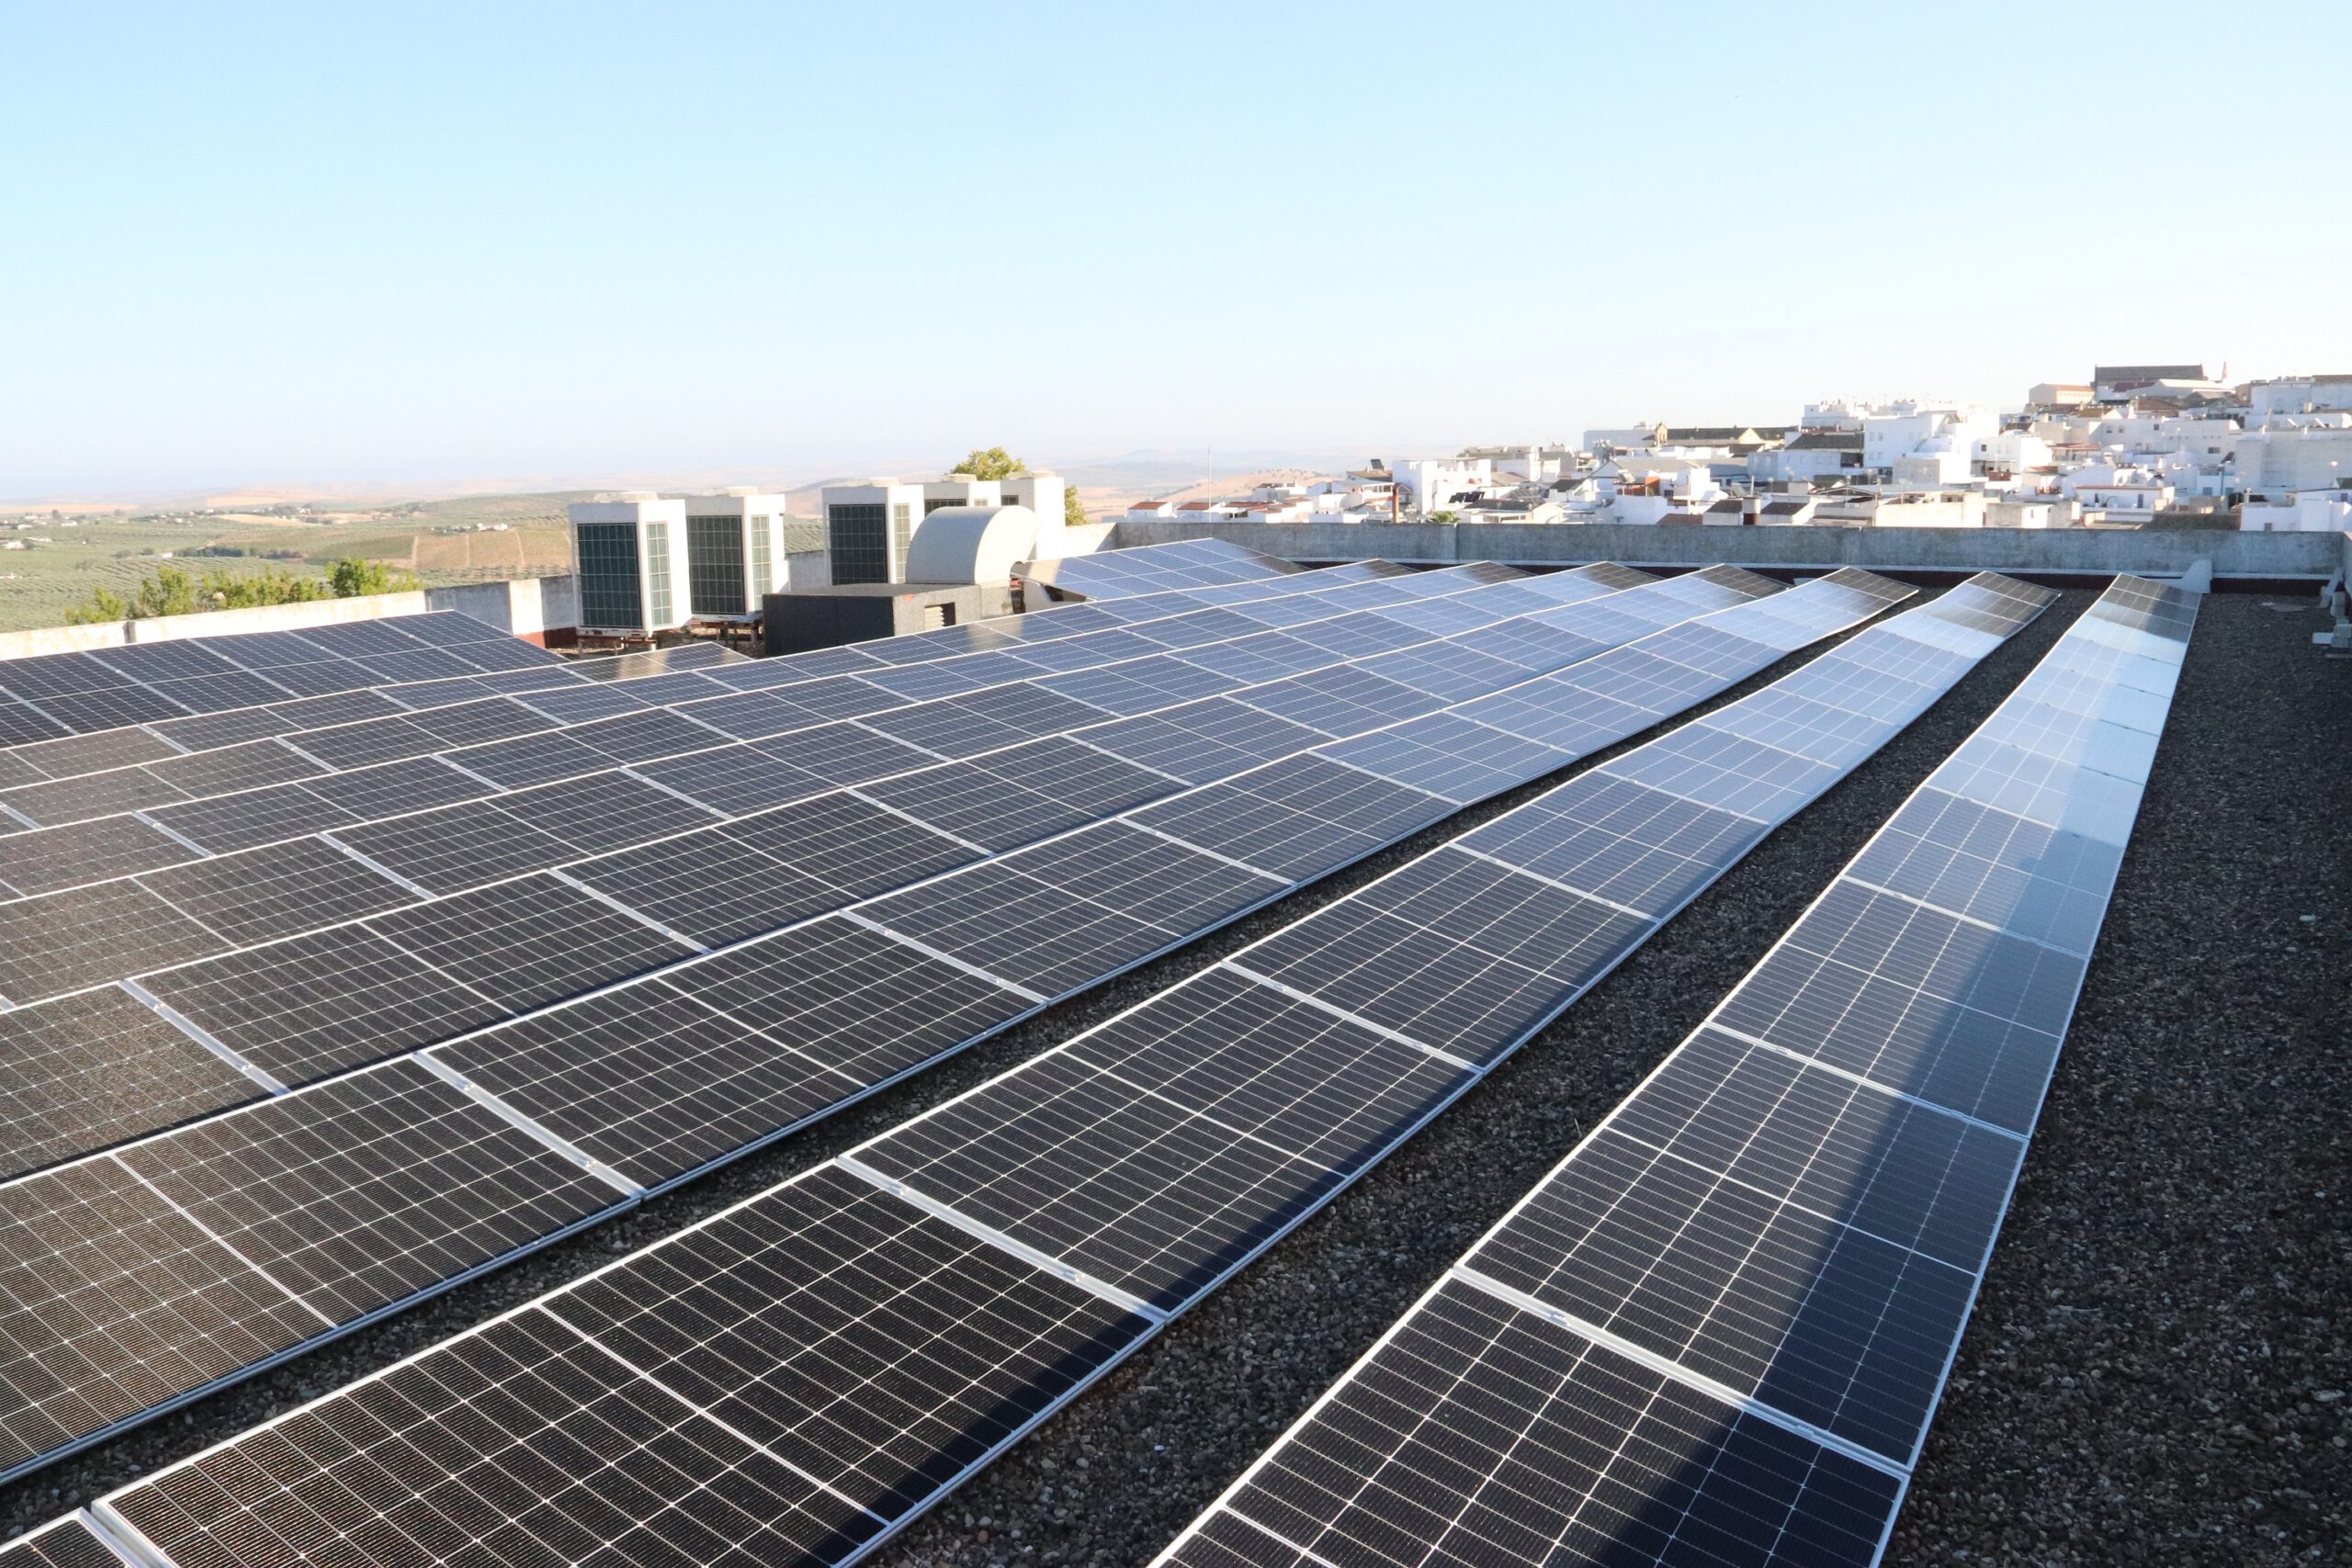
{"x": 73, "y": 754}
{"x": 82, "y": 852}
{"x": 263, "y": 894}
{"x": 1788, "y": 1220}
{"x": 736, "y": 1007}
{"x": 359, "y": 1192}
{"x": 93, "y": 1331}
{"x": 54, "y": 803}
{"x": 88, "y": 936}
{"x": 68, "y": 1543}
{"x": 322, "y": 1002}
{"x": 530, "y": 941}
{"x": 659, "y": 1079}
{"x": 454, "y": 848}
{"x": 99, "y": 1065}
{"x": 1478, "y": 1433}
{"x": 1203, "y": 741}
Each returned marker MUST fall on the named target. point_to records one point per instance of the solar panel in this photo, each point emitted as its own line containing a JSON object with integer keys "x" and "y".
{"x": 741, "y": 992}
{"x": 99, "y": 1065}
{"x": 1277, "y": 1080}
{"x": 316, "y": 1004}
{"x": 359, "y": 1192}
{"x": 1784, "y": 1226}
{"x": 263, "y": 894}
{"x": 91, "y": 935}
{"x": 97, "y": 1333}
{"x": 1479, "y": 1433}
{"x": 68, "y": 1543}
{"x": 82, "y": 852}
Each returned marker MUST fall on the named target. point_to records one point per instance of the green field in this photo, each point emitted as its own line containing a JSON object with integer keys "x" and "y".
{"x": 436, "y": 539}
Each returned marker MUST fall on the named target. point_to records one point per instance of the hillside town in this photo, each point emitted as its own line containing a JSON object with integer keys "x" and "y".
{"x": 2136, "y": 447}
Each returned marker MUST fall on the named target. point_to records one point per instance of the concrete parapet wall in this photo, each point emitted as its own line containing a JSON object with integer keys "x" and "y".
{"x": 2053, "y": 551}
{"x": 531, "y": 608}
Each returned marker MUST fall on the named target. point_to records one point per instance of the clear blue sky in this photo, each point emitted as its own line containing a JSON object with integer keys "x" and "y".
{"x": 415, "y": 244}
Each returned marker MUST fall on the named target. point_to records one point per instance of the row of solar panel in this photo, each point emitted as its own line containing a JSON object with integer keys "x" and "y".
{"x": 52, "y": 695}
{"x": 166, "y": 765}
{"x": 86, "y": 933}
{"x": 1717, "y": 1332}
{"x": 32, "y": 776}
{"x": 754, "y": 701}
{"x": 401, "y": 974}
{"x": 301, "y": 1215}
{"x": 389, "y": 667}
{"x": 829, "y": 1357}
{"x": 1189, "y": 563}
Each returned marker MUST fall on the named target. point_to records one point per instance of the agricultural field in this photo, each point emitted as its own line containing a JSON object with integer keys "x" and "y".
{"x": 471, "y": 540}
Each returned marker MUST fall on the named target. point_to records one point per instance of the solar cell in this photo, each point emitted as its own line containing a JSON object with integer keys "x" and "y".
{"x": 850, "y": 843}
{"x": 254, "y": 816}
{"x": 843, "y": 753}
{"x": 1011, "y": 797}
{"x": 1915, "y": 999}
{"x": 578, "y": 701}
{"x": 107, "y": 707}
{"x": 372, "y": 793}
{"x": 640, "y": 737}
{"x": 646, "y": 1079}
{"x": 24, "y": 725}
{"x": 219, "y": 693}
{"x": 1339, "y": 701}
{"x": 371, "y": 741}
{"x": 1034, "y": 933}
{"x": 1730, "y": 773}
{"x": 1295, "y": 818}
{"x": 964, "y": 727}
{"x": 732, "y": 780}
{"x": 849, "y": 997}
{"x": 870, "y": 1345}
{"x": 247, "y": 766}
{"x": 1619, "y": 841}
{"x": 708, "y": 886}
{"x": 203, "y": 732}
{"x": 470, "y": 724}
{"x": 68, "y": 1543}
{"x": 98, "y": 1067}
{"x": 1450, "y": 756}
{"x": 73, "y": 754}
{"x": 1204, "y": 742}
{"x": 555, "y": 1445}
{"x": 1824, "y": 1322}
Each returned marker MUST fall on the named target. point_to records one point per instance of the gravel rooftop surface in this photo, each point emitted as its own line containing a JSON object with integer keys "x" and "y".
{"x": 2156, "y": 1369}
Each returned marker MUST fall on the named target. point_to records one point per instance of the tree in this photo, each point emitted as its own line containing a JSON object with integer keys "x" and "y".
{"x": 174, "y": 592}
{"x": 996, "y": 463}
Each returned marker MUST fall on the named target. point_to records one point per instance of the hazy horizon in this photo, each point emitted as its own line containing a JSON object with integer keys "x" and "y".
{"x": 394, "y": 251}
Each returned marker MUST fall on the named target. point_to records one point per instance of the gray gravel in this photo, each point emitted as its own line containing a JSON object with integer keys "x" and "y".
{"x": 2151, "y": 1368}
